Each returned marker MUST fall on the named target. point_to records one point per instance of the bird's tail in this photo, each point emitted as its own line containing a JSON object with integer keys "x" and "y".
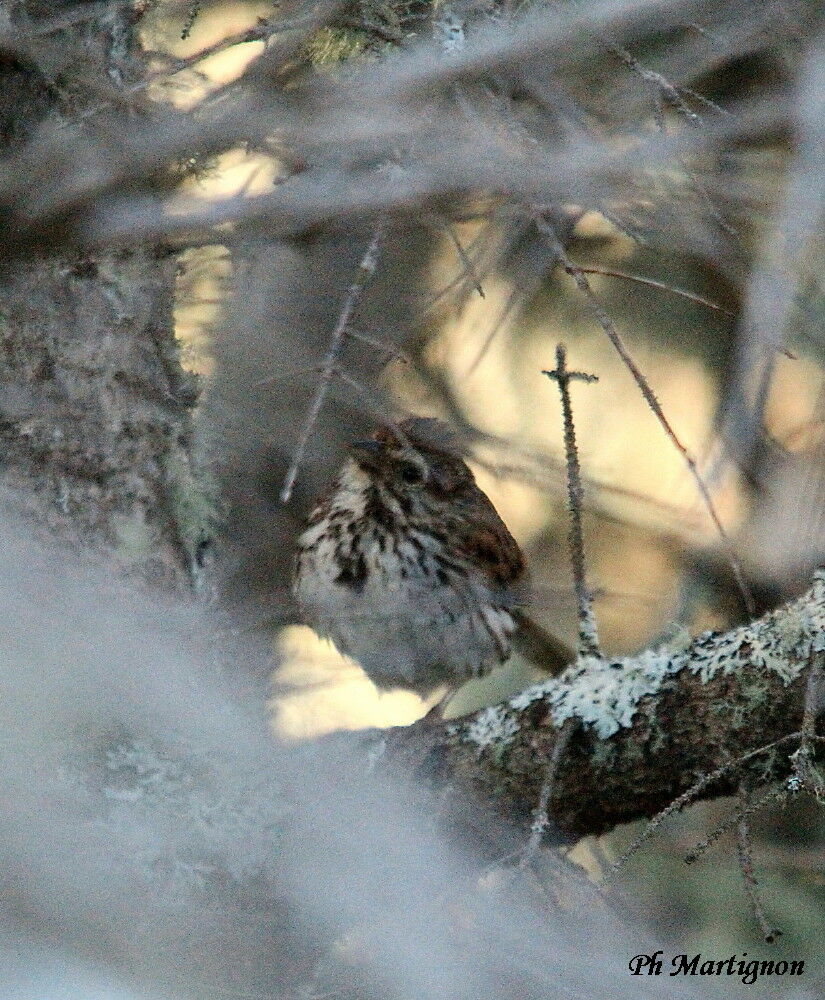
{"x": 539, "y": 646}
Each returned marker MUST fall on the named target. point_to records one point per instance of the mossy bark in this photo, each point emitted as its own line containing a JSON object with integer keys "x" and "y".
{"x": 95, "y": 409}
{"x": 687, "y": 730}
{"x": 718, "y": 699}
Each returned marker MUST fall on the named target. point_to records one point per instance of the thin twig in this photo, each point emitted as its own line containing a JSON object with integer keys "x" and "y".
{"x": 705, "y": 101}
{"x": 813, "y": 698}
{"x": 665, "y": 91}
{"x": 541, "y": 820}
{"x": 705, "y": 196}
{"x": 744, "y": 852}
{"x": 189, "y": 22}
{"x": 463, "y": 256}
{"x": 394, "y": 352}
{"x": 805, "y": 775}
{"x": 688, "y": 796}
{"x": 588, "y": 633}
{"x": 366, "y": 269}
{"x": 373, "y": 402}
{"x": 662, "y": 85}
{"x": 285, "y": 374}
{"x": 652, "y": 283}
{"x": 776, "y": 791}
{"x": 260, "y": 32}
{"x": 476, "y": 245}
{"x": 88, "y": 12}
{"x": 516, "y": 293}
{"x": 626, "y": 228}
{"x": 612, "y": 333}
{"x": 546, "y": 474}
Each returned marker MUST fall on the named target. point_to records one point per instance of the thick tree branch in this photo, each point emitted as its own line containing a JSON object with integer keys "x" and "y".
{"x": 650, "y": 726}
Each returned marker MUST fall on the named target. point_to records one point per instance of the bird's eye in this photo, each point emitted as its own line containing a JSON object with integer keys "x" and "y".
{"x": 411, "y": 473}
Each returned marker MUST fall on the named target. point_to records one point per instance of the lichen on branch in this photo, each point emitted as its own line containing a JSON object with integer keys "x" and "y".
{"x": 648, "y": 726}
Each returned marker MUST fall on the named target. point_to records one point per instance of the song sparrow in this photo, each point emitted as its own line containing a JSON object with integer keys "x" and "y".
{"x": 407, "y": 567}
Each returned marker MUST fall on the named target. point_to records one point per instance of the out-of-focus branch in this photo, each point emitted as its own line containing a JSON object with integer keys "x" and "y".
{"x": 106, "y": 186}
{"x": 96, "y": 411}
{"x": 773, "y": 285}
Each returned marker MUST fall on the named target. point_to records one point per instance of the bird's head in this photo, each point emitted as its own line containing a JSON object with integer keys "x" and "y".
{"x": 420, "y": 455}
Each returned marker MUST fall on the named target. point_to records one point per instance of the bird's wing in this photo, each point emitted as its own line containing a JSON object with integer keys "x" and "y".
{"x": 484, "y": 541}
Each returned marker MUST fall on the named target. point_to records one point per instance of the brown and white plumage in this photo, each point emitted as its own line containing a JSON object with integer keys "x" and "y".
{"x": 406, "y": 566}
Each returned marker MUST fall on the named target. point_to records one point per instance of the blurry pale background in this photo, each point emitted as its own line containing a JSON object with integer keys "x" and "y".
{"x": 643, "y": 514}
{"x": 643, "y": 508}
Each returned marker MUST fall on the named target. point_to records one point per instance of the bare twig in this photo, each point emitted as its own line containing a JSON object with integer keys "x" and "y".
{"x": 476, "y": 245}
{"x": 652, "y": 283}
{"x": 588, "y": 633}
{"x": 541, "y": 819}
{"x": 776, "y": 791}
{"x": 679, "y": 522}
{"x": 285, "y": 374}
{"x": 260, "y": 32}
{"x": 625, "y": 228}
{"x": 374, "y": 404}
{"x": 813, "y": 698}
{"x": 805, "y": 774}
{"x": 705, "y": 101}
{"x": 393, "y": 353}
{"x": 745, "y": 854}
{"x": 64, "y": 21}
{"x": 516, "y": 293}
{"x": 366, "y": 269}
{"x": 690, "y": 795}
{"x": 464, "y": 257}
{"x": 662, "y": 85}
{"x": 666, "y": 92}
{"x": 391, "y": 350}
{"x": 189, "y": 22}
{"x": 649, "y": 396}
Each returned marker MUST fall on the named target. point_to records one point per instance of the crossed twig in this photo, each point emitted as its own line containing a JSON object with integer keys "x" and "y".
{"x": 588, "y": 633}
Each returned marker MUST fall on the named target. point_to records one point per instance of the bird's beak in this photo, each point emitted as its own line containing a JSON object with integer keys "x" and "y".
{"x": 366, "y": 452}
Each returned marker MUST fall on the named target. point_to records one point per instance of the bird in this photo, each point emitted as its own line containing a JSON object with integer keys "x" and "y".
{"x": 407, "y": 567}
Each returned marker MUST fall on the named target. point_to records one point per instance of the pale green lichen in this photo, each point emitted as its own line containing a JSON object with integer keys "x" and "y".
{"x": 135, "y": 539}
{"x": 192, "y": 496}
{"x": 605, "y": 694}
{"x": 220, "y": 835}
{"x": 493, "y": 725}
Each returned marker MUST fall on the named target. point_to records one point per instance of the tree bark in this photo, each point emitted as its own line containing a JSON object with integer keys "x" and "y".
{"x": 647, "y": 728}
{"x": 95, "y": 409}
